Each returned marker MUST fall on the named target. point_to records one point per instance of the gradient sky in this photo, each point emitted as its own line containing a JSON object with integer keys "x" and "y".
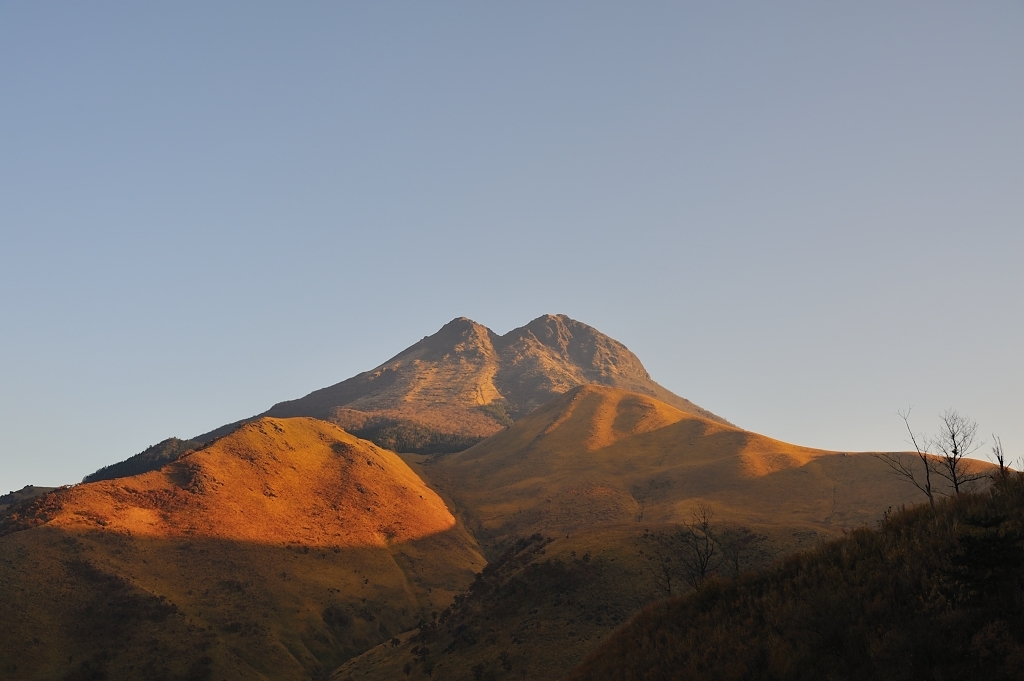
{"x": 801, "y": 216}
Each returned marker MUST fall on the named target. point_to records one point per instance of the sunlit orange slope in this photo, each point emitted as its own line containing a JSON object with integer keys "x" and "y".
{"x": 273, "y": 481}
{"x": 277, "y": 552}
{"x": 599, "y": 456}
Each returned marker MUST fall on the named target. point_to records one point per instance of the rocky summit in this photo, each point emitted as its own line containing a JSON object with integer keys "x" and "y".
{"x": 466, "y": 382}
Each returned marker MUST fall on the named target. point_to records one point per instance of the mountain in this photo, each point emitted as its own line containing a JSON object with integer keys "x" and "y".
{"x": 465, "y": 383}
{"x": 278, "y": 551}
{"x": 454, "y": 388}
{"x": 925, "y": 596}
{"x": 574, "y": 506}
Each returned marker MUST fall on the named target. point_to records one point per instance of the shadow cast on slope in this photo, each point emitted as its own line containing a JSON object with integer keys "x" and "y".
{"x": 103, "y": 605}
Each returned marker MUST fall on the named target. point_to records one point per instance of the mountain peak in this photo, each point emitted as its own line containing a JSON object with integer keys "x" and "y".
{"x": 465, "y": 382}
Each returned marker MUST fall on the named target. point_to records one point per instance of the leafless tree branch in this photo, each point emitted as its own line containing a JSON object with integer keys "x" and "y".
{"x": 907, "y": 466}
{"x": 1000, "y": 457}
{"x": 954, "y": 441}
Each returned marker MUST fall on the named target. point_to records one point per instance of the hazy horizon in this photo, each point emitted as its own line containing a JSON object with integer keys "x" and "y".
{"x": 799, "y": 217}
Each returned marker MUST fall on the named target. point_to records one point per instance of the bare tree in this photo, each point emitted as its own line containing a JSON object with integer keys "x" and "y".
{"x": 1000, "y": 457}
{"x": 663, "y": 570}
{"x": 915, "y": 469}
{"x": 741, "y": 548}
{"x": 691, "y": 552}
{"x": 700, "y": 556}
{"x": 954, "y": 441}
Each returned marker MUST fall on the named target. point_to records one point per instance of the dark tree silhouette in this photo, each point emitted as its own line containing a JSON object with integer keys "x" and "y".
{"x": 1000, "y": 456}
{"x": 954, "y": 441}
{"x": 700, "y": 556}
{"x": 916, "y": 469}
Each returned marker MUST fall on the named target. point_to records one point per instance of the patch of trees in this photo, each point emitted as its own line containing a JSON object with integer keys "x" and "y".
{"x": 500, "y": 411}
{"x": 151, "y": 459}
{"x": 932, "y": 593}
{"x": 505, "y": 597}
{"x": 414, "y": 438}
{"x": 693, "y": 552}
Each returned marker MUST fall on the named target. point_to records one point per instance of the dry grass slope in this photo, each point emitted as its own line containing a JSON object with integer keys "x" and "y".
{"x": 925, "y": 596}
{"x": 598, "y": 470}
{"x": 25, "y": 493}
{"x": 599, "y": 456}
{"x": 276, "y": 552}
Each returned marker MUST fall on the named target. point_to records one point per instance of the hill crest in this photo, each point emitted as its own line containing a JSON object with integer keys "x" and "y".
{"x": 278, "y": 551}
{"x": 266, "y": 482}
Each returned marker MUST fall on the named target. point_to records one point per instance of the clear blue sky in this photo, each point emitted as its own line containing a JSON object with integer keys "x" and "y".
{"x": 801, "y": 216}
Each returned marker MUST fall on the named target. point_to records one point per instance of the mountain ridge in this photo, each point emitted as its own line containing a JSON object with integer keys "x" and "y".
{"x": 452, "y": 389}
{"x": 526, "y": 367}
{"x": 465, "y": 377}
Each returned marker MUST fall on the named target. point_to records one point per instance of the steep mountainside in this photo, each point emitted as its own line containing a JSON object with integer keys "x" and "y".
{"x": 602, "y": 479}
{"x": 451, "y": 390}
{"x": 280, "y": 550}
{"x": 466, "y": 382}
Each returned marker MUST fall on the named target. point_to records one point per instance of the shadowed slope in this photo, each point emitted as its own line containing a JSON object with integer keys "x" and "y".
{"x": 280, "y": 550}
{"x": 928, "y": 595}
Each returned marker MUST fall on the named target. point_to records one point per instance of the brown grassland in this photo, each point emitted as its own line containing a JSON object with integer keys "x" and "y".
{"x": 291, "y": 549}
{"x": 928, "y": 595}
{"x": 278, "y": 551}
{"x": 25, "y": 493}
{"x": 586, "y": 482}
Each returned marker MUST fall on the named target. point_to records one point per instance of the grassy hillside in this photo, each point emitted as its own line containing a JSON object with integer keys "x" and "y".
{"x": 602, "y": 457}
{"x": 536, "y": 610}
{"x": 922, "y": 597}
{"x": 602, "y": 480}
{"x": 278, "y": 552}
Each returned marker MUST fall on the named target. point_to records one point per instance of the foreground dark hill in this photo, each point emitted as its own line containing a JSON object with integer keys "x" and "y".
{"x": 923, "y": 597}
{"x": 278, "y": 552}
{"x": 592, "y": 482}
